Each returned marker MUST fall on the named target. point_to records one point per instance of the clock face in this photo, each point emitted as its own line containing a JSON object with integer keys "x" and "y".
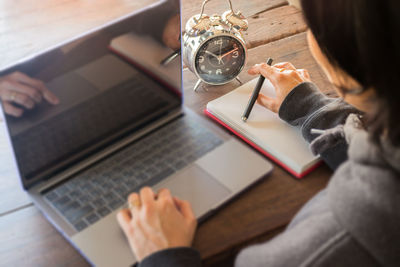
{"x": 220, "y": 59}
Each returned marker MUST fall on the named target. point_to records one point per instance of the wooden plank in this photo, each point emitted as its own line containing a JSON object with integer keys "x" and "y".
{"x": 248, "y": 8}
{"x": 273, "y": 25}
{"x": 27, "y": 239}
{"x": 29, "y": 26}
{"x": 293, "y": 49}
{"x": 12, "y": 196}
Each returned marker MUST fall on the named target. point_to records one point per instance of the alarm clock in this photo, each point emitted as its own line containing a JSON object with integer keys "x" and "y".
{"x": 213, "y": 46}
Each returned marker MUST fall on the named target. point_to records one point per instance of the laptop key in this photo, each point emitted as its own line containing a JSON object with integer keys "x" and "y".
{"x": 116, "y": 203}
{"x": 84, "y": 198}
{"x": 74, "y": 213}
{"x": 142, "y": 177}
{"x": 178, "y": 164}
{"x": 103, "y": 211}
{"x": 79, "y": 226}
{"x": 92, "y": 218}
{"x": 99, "y": 202}
{"x": 51, "y": 196}
{"x": 62, "y": 190}
{"x": 59, "y": 203}
{"x": 160, "y": 176}
{"x": 75, "y": 194}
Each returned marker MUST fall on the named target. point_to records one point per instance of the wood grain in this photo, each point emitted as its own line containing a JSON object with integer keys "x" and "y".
{"x": 27, "y": 26}
{"x": 248, "y": 8}
{"x": 28, "y": 239}
{"x": 11, "y": 194}
{"x": 273, "y": 25}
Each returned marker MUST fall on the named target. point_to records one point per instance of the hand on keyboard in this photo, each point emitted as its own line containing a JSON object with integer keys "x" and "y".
{"x": 156, "y": 222}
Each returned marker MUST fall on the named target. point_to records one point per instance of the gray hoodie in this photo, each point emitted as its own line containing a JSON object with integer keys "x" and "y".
{"x": 355, "y": 221}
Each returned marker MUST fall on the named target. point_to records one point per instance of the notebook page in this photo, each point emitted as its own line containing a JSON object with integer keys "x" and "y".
{"x": 263, "y": 127}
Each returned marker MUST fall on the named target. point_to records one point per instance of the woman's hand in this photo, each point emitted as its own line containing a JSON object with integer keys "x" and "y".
{"x": 18, "y": 88}
{"x": 156, "y": 222}
{"x": 284, "y": 77}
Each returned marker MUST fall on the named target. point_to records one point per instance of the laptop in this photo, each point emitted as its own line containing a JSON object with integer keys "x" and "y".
{"x": 118, "y": 128}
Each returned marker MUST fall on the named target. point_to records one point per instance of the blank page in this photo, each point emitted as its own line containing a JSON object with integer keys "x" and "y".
{"x": 264, "y": 128}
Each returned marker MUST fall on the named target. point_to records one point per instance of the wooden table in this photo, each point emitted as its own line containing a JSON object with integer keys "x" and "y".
{"x": 276, "y": 30}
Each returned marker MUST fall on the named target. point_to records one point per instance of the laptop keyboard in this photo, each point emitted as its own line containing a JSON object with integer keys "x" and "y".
{"x": 99, "y": 190}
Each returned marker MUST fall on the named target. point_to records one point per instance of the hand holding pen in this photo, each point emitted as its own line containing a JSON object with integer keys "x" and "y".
{"x": 284, "y": 77}
{"x": 255, "y": 94}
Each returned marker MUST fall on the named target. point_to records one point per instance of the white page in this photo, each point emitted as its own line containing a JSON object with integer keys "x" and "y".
{"x": 264, "y": 127}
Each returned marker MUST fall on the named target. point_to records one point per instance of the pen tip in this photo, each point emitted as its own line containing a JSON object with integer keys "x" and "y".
{"x": 244, "y": 118}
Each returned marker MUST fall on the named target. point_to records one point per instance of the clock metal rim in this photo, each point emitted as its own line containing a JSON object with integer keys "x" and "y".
{"x": 215, "y": 35}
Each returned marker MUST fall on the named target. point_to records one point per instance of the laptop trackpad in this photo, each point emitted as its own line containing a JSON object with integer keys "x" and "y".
{"x": 198, "y": 187}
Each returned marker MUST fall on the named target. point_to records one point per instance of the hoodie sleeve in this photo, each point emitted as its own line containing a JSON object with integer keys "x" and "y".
{"x": 307, "y": 108}
{"x": 173, "y": 257}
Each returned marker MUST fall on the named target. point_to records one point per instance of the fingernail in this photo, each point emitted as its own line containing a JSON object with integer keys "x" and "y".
{"x": 53, "y": 99}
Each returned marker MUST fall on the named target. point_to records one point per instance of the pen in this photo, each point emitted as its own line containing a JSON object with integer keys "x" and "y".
{"x": 170, "y": 57}
{"x": 255, "y": 94}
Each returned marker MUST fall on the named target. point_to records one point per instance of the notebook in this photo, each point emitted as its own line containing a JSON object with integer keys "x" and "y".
{"x": 152, "y": 53}
{"x": 264, "y": 130}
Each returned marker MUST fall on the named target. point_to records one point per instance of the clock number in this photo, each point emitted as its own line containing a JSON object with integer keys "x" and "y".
{"x": 218, "y": 42}
{"x": 201, "y": 59}
{"x": 235, "y": 54}
{"x": 218, "y": 71}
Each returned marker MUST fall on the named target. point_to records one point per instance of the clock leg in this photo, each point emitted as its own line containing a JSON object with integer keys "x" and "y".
{"x": 197, "y": 85}
{"x": 237, "y": 79}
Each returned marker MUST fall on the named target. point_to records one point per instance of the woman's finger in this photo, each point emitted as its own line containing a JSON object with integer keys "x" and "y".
{"x": 185, "y": 208}
{"x": 264, "y": 69}
{"x": 268, "y": 102}
{"x": 124, "y": 219}
{"x": 164, "y": 194}
{"x": 33, "y": 93}
{"x": 50, "y": 96}
{"x": 18, "y": 98}
{"x": 304, "y": 73}
{"x": 285, "y": 65}
{"x": 147, "y": 196}
{"x": 12, "y": 110}
{"x": 134, "y": 203}
{"x": 39, "y": 85}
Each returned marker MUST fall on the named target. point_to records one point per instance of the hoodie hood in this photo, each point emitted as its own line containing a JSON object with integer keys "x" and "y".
{"x": 364, "y": 194}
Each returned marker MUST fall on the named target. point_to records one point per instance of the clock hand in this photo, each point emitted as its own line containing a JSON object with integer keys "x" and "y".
{"x": 217, "y": 57}
{"x": 214, "y": 55}
{"x": 227, "y": 53}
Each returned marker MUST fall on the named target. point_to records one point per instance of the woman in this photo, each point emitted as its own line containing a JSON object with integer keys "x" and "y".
{"x": 354, "y": 221}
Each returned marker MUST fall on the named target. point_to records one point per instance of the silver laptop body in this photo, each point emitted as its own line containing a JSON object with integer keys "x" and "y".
{"x": 79, "y": 160}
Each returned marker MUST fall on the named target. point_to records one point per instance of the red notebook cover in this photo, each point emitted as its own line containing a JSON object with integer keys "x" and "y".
{"x": 262, "y": 151}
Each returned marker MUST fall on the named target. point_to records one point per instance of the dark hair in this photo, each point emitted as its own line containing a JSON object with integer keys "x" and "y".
{"x": 362, "y": 37}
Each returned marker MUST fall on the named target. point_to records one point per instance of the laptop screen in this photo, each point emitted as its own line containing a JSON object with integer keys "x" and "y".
{"x": 82, "y": 96}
